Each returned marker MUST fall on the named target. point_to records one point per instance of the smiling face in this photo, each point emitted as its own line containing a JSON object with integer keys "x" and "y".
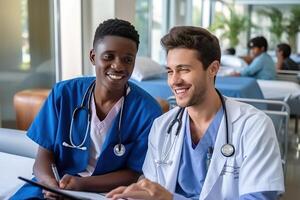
{"x": 113, "y": 58}
{"x": 256, "y": 51}
{"x": 187, "y": 78}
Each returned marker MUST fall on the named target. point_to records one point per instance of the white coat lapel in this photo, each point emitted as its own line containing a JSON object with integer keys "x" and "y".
{"x": 171, "y": 171}
{"x": 218, "y": 160}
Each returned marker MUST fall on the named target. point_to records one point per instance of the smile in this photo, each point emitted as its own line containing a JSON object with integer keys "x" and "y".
{"x": 180, "y": 91}
{"x": 115, "y": 76}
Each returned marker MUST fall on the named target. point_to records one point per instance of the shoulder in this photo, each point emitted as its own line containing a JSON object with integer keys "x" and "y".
{"x": 161, "y": 124}
{"x": 71, "y": 87}
{"x": 81, "y": 82}
{"x": 166, "y": 118}
{"x": 245, "y": 112}
{"x": 139, "y": 96}
{"x": 254, "y": 122}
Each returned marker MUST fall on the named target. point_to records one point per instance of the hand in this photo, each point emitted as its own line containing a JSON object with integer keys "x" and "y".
{"x": 144, "y": 189}
{"x": 69, "y": 182}
{"x": 235, "y": 74}
{"x": 50, "y": 195}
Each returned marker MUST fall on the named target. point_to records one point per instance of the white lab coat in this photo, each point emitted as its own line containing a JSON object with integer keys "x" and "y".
{"x": 256, "y": 165}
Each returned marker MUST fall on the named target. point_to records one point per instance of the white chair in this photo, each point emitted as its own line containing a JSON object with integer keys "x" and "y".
{"x": 288, "y": 75}
{"x": 279, "y": 112}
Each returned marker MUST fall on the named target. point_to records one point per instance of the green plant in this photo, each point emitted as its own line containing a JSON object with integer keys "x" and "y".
{"x": 231, "y": 26}
{"x": 277, "y": 26}
{"x": 293, "y": 26}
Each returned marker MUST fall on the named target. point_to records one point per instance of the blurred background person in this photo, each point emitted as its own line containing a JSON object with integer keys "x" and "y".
{"x": 262, "y": 66}
{"x": 284, "y": 62}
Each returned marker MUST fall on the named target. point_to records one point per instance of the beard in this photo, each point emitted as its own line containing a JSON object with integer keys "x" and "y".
{"x": 195, "y": 98}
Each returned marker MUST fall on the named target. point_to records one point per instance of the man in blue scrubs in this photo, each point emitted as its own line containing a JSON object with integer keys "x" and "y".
{"x": 208, "y": 147}
{"x": 262, "y": 65}
{"x": 95, "y": 130}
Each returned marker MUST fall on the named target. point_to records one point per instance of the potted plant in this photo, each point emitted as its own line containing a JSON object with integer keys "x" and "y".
{"x": 231, "y": 26}
{"x": 277, "y": 26}
{"x": 293, "y": 27}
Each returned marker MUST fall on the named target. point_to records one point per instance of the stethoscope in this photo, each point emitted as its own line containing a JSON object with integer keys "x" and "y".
{"x": 227, "y": 149}
{"x": 119, "y": 149}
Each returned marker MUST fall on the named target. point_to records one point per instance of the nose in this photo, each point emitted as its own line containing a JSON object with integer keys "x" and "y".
{"x": 117, "y": 64}
{"x": 174, "y": 79}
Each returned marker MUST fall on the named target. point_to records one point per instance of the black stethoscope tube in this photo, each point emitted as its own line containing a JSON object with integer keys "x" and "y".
{"x": 227, "y": 149}
{"x": 119, "y": 148}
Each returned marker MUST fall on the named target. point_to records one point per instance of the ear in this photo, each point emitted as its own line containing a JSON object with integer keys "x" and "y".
{"x": 92, "y": 56}
{"x": 213, "y": 68}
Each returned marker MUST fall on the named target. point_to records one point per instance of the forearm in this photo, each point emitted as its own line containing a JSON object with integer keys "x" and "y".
{"x": 107, "y": 182}
{"x": 42, "y": 167}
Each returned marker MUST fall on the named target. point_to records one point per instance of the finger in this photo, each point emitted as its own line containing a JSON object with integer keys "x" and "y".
{"x": 132, "y": 195}
{"x": 64, "y": 181}
{"x": 133, "y": 188}
{"x": 145, "y": 183}
{"x": 118, "y": 190}
{"x": 50, "y": 195}
{"x": 151, "y": 187}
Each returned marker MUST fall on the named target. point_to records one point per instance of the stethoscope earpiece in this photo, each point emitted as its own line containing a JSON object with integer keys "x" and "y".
{"x": 74, "y": 147}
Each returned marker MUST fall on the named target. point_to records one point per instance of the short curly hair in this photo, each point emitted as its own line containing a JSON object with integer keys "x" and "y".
{"x": 196, "y": 38}
{"x": 285, "y": 48}
{"x": 116, "y": 27}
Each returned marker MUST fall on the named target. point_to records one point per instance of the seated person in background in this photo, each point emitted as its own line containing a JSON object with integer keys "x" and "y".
{"x": 262, "y": 65}
{"x": 94, "y": 129}
{"x": 208, "y": 147}
{"x": 284, "y": 62}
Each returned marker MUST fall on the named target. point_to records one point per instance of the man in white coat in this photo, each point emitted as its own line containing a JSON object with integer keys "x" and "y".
{"x": 209, "y": 147}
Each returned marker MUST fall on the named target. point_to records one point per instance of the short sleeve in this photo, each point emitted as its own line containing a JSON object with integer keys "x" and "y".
{"x": 43, "y": 129}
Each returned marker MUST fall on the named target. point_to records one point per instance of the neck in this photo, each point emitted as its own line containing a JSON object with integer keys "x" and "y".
{"x": 105, "y": 100}
{"x": 202, "y": 114}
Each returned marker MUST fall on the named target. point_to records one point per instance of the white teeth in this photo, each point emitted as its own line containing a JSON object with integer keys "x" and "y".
{"x": 115, "y": 77}
{"x": 178, "y": 91}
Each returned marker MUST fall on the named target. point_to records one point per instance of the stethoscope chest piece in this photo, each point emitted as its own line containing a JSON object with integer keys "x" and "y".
{"x": 227, "y": 150}
{"x": 119, "y": 150}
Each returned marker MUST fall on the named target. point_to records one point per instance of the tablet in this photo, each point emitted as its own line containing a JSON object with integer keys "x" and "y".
{"x": 70, "y": 194}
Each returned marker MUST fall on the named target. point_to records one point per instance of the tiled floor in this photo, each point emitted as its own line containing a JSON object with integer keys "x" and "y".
{"x": 292, "y": 179}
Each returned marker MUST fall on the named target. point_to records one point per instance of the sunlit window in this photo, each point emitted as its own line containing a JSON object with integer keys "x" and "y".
{"x": 25, "y": 36}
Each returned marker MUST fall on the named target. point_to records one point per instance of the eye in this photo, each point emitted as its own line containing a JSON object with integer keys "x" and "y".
{"x": 107, "y": 57}
{"x": 183, "y": 69}
{"x": 169, "y": 72}
{"x": 128, "y": 59}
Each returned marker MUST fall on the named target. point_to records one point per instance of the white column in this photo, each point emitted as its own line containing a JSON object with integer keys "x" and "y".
{"x": 70, "y": 38}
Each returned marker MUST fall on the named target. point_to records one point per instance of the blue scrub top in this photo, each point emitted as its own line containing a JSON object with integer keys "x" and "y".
{"x": 52, "y": 125}
{"x": 262, "y": 67}
{"x": 192, "y": 169}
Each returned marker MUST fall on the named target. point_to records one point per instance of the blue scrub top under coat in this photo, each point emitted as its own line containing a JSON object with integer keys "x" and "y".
{"x": 51, "y": 128}
{"x": 192, "y": 169}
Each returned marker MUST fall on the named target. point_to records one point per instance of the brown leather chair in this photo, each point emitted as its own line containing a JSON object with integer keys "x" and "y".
{"x": 164, "y": 104}
{"x": 27, "y": 104}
